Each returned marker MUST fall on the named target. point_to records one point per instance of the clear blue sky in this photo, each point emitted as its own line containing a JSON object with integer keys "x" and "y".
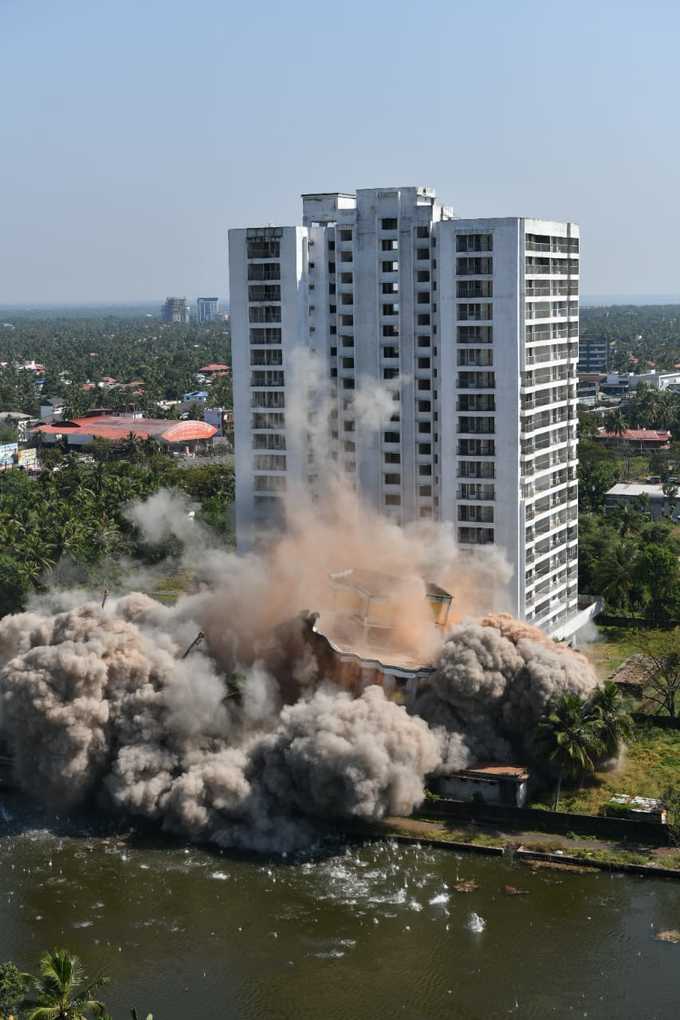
{"x": 134, "y": 133}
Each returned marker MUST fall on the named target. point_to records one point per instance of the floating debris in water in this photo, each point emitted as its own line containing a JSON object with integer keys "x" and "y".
{"x": 673, "y": 935}
{"x": 475, "y": 923}
{"x": 467, "y": 885}
{"x": 221, "y": 876}
{"x": 439, "y": 900}
{"x": 512, "y": 890}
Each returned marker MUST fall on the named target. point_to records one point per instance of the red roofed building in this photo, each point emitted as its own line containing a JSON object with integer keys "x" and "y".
{"x": 215, "y": 368}
{"x": 641, "y": 439}
{"x": 81, "y": 431}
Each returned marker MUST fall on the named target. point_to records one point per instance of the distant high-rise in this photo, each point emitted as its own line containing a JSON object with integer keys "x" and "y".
{"x": 593, "y": 355}
{"x": 471, "y": 325}
{"x": 175, "y": 309}
{"x": 206, "y": 308}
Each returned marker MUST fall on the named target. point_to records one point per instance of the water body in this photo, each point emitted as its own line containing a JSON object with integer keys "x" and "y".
{"x": 376, "y": 931}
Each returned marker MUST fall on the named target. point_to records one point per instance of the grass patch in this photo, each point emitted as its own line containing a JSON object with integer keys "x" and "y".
{"x": 651, "y": 763}
{"x": 613, "y": 646}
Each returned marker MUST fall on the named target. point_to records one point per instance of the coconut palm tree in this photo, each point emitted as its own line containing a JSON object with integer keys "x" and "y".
{"x": 609, "y": 714}
{"x": 568, "y": 738}
{"x": 63, "y": 992}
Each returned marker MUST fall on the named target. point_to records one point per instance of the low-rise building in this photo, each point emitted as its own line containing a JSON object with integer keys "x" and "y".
{"x": 492, "y": 783}
{"x": 643, "y": 440}
{"x": 82, "y": 431}
{"x": 642, "y": 494}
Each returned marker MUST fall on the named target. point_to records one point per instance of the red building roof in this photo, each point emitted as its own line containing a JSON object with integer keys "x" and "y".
{"x": 214, "y": 366}
{"x": 638, "y": 436}
{"x": 117, "y": 427}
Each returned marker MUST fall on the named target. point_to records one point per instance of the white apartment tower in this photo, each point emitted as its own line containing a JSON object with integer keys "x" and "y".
{"x": 474, "y": 325}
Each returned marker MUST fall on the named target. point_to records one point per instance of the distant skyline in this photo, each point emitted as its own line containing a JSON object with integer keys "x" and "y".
{"x": 135, "y": 134}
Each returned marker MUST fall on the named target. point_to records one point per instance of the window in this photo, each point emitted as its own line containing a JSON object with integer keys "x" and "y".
{"x": 424, "y": 384}
{"x": 423, "y": 319}
{"x": 391, "y": 437}
{"x": 393, "y": 458}
{"x": 331, "y": 245}
{"x": 389, "y": 245}
{"x": 346, "y": 320}
{"x": 345, "y": 234}
{"x": 390, "y": 373}
{"x": 264, "y": 313}
{"x": 346, "y": 299}
{"x": 471, "y": 356}
{"x": 477, "y": 447}
{"x": 263, "y": 248}
{"x": 268, "y": 442}
{"x": 331, "y": 267}
{"x": 332, "y": 309}
{"x": 347, "y": 341}
{"x": 424, "y": 407}
{"x": 390, "y": 331}
{"x": 390, "y": 352}
{"x": 269, "y": 462}
{"x": 475, "y": 288}
{"x": 424, "y": 341}
{"x": 265, "y": 336}
{"x": 345, "y": 256}
{"x": 482, "y": 426}
{"x": 264, "y": 292}
{"x": 475, "y": 334}
{"x": 422, "y": 254}
{"x": 334, "y": 352}
{"x": 423, "y": 363}
{"x": 425, "y": 449}
{"x": 392, "y": 309}
{"x": 475, "y": 536}
{"x": 422, "y": 232}
{"x": 474, "y": 242}
{"x": 392, "y": 500}
{"x": 346, "y": 277}
{"x": 331, "y": 288}
{"x": 424, "y": 490}
{"x": 390, "y": 223}
{"x": 424, "y": 427}
{"x": 267, "y": 377}
{"x": 390, "y": 267}
{"x": 423, "y": 297}
{"x": 423, "y": 276}
{"x": 476, "y": 311}
{"x": 264, "y": 271}
{"x": 348, "y": 384}
{"x": 267, "y": 398}
{"x": 474, "y": 267}
{"x": 479, "y": 514}
{"x": 266, "y": 357}
{"x": 390, "y": 288}
{"x": 348, "y": 425}
{"x": 424, "y": 470}
{"x": 393, "y": 479}
{"x": 348, "y": 362}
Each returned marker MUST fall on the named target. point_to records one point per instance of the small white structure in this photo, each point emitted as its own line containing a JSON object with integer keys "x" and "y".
{"x": 646, "y": 809}
{"x": 491, "y": 784}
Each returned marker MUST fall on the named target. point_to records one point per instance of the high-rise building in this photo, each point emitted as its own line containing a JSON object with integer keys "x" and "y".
{"x": 206, "y": 308}
{"x": 175, "y": 309}
{"x": 593, "y": 354}
{"x": 472, "y": 324}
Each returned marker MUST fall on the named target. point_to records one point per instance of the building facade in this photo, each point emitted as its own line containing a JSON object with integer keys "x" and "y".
{"x": 470, "y": 325}
{"x": 175, "y": 309}
{"x": 206, "y": 308}
{"x": 593, "y": 355}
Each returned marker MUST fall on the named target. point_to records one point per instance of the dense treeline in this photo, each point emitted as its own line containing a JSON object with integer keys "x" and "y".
{"x": 646, "y": 407}
{"x": 71, "y": 517}
{"x": 650, "y": 333}
{"x": 161, "y": 359}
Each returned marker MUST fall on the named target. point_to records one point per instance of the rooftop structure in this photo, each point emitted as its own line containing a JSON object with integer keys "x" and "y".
{"x": 653, "y": 496}
{"x": 80, "y": 431}
{"x": 644, "y": 439}
{"x": 215, "y": 368}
